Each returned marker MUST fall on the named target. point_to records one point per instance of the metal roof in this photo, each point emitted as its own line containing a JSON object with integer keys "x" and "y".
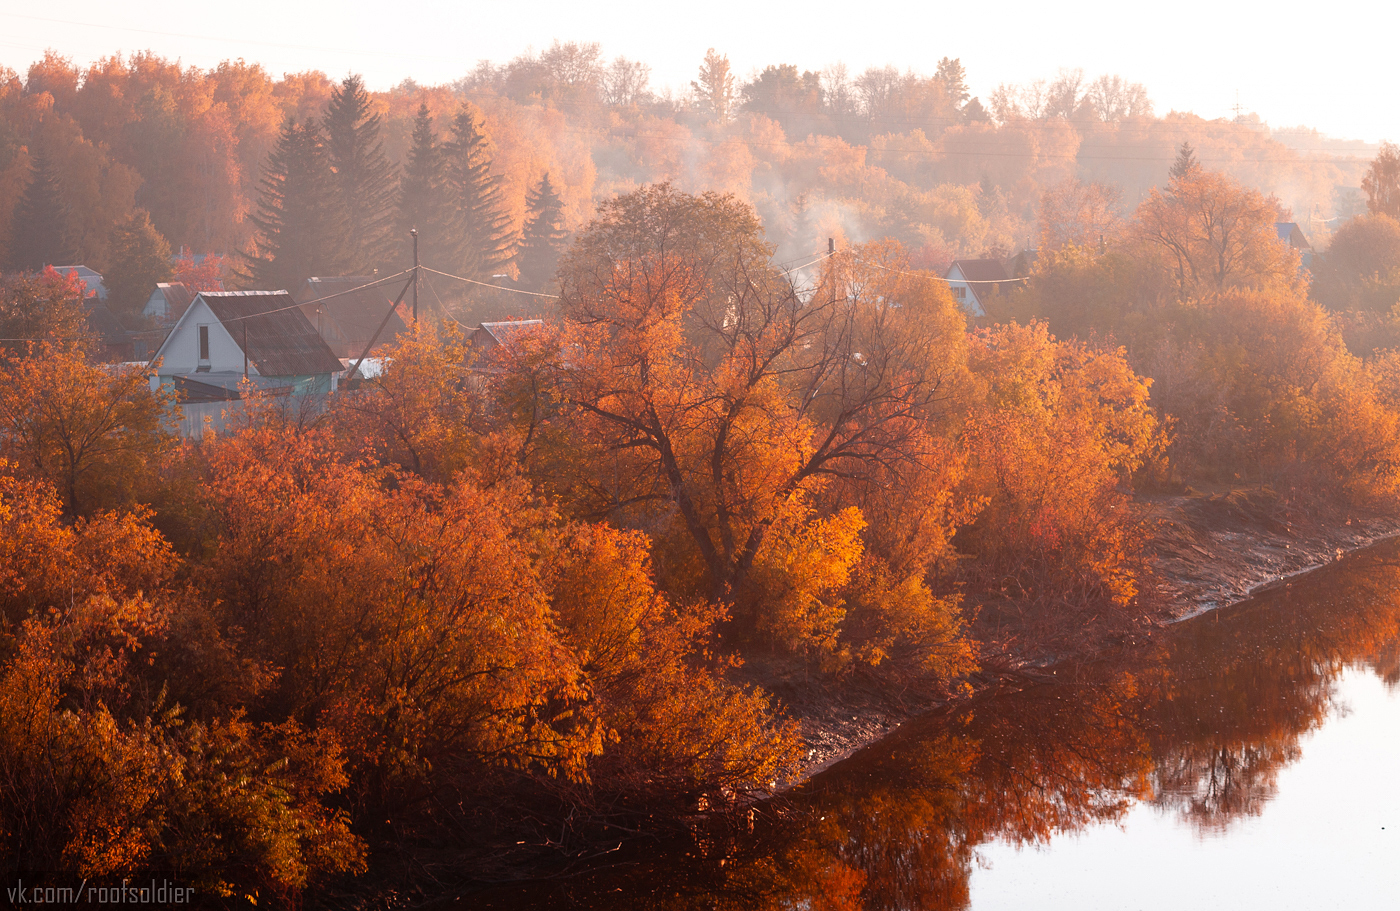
{"x": 354, "y": 315}
{"x": 280, "y": 339}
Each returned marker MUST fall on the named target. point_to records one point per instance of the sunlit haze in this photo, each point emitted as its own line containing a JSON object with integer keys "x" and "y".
{"x": 1289, "y": 64}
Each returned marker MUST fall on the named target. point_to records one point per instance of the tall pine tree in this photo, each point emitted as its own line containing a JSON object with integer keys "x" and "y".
{"x": 39, "y": 234}
{"x": 423, "y": 199}
{"x": 300, "y": 222}
{"x": 364, "y": 178}
{"x": 544, "y": 235}
{"x": 486, "y": 236}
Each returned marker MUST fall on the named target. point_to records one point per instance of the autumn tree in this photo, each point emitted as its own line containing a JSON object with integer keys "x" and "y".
{"x": 1361, "y": 268}
{"x": 99, "y": 776}
{"x": 301, "y": 226}
{"x": 1382, "y": 182}
{"x": 430, "y": 650}
{"x": 1058, "y": 430}
{"x": 711, "y": 390}
{"x": 139, "y": 258}
{"x": 40, "y": 307}
{"x": 1212, "y": 233}
{"x": 714, "y": 88}
{"x": 542, "y": 240}
{"x": 485, "y": 237}
{"x": 951, "y": 73}
{"x": 96, "y": 436}
{"x": 1073, "y": 212}
{"x": 364, "y": 178}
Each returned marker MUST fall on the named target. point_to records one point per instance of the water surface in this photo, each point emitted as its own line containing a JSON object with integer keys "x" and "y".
{"x": 1250, "y": 759}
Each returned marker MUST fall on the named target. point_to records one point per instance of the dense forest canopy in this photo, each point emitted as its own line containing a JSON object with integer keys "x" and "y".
{"x": 858, "y": 156}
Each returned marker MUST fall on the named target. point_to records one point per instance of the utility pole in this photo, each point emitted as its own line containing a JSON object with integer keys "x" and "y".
{"x": 414, "y": 232}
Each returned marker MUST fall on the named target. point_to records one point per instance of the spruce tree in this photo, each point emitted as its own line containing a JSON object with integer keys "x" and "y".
{"x": 138, "y": 257}
{"x": 300, "y": 223}
{"x": 423, "y": 202}
{"x": 1185, "y": 164}
{"x": 486, "y": 238}
{"x": 39, "y": 234}
{"x": 364, "y": 178}
{"x": 544, "y": 234}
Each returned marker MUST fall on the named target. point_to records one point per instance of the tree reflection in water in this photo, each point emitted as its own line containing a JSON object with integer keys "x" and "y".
{"x": 1200, "y": 724}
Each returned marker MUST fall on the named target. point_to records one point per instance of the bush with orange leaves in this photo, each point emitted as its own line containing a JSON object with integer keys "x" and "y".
{"x": 447, "y": 632}
{"x": 99, "y": 776}
{"x": 1055, "y": 436}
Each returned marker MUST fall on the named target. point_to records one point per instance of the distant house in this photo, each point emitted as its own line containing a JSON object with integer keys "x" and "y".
{"x": 489, "y": 336}
{"x": 970, "y": 280}
{"x": 115, "y": 340}
{"x": 1291, "y": 234}
{"x": 225, "y": 336}
{"x": 346, "y": 314}
{"x": 92, "y": 281}
{"x": 167, "y": 302}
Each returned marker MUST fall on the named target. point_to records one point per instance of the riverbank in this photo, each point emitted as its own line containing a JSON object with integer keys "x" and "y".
{"x": 1208, "y": 550}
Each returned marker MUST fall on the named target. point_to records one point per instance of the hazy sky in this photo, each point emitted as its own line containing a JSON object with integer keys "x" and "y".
{"x": 1325, "y": 66}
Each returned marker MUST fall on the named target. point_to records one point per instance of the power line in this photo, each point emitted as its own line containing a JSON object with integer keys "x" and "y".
{"x": 298, "y": 306}
{"x": 472, "y": 281}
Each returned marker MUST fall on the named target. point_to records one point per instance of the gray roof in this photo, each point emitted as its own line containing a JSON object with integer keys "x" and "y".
{"x": 348, "y": 320}
{"x": 981, "y": 270}
{"x": 281, "y": 341}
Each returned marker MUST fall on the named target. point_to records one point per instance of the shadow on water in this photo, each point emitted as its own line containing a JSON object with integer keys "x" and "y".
{"x": 1200, "y": 725}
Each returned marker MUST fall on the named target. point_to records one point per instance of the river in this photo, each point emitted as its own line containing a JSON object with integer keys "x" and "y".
{"x": 1250, "y": 758}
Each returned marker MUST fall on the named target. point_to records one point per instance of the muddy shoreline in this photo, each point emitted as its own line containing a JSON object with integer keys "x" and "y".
{"x": 1208, "y": 551}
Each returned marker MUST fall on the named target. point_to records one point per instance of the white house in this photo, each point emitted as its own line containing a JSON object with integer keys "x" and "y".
{"x": 167, "y": 302}
{"x": 970, "y": 280}
{"x": 224, "y": 337}
{"x": 92, "y": 280}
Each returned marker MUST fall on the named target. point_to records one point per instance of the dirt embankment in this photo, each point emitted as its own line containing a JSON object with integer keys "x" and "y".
{"x": 1210, "y": 551}
{"x": 1207, "y": 551}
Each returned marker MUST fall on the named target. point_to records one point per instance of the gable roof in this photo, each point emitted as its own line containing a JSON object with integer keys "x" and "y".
{"x": 355, "y": 312}
{"x": 281, "y": 341}
{"x": 981, "y": 270}
{"x": 178, "y": 296}
{"x": 1291, "y": 234}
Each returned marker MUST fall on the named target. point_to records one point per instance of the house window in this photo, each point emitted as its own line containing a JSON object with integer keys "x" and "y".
{"x": 959, "y": 293}
{"x": 204, "y": 343}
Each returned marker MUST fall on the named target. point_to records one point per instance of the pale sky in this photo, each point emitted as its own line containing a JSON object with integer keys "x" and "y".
{"x": 1327, "y": 67}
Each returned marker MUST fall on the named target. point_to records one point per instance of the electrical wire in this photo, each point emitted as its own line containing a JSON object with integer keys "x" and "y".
{"x": 472, "y": 281}
{"x": 298, "y": 306}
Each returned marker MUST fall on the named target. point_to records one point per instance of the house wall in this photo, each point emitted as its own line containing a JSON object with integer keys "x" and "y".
{"x": 968, "y": 297}
{"x": 180, "y": 353}
{"x": 157, "y": 307}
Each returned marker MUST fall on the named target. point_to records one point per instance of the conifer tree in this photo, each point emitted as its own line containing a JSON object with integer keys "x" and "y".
{"x": 1185, "y": 164}
{"x": 364, "y": 178}
{"x": 138, "y": 258}
{"x": 423, "y": 202}
{"x": 300, "y": 222}
{"x": 544, "y": 235}
{"x": 486, "y": 238}
{"x": 39, "y": 234}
